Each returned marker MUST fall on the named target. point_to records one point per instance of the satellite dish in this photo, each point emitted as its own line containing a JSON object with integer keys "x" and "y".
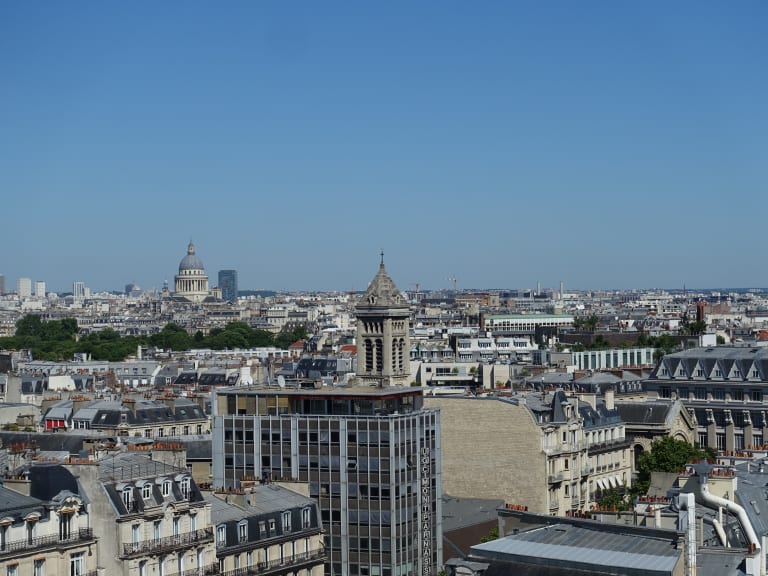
{"x": 281, "y": 381}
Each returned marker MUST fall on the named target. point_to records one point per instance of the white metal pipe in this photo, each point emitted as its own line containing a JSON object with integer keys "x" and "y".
{"x": 734, "y": 508}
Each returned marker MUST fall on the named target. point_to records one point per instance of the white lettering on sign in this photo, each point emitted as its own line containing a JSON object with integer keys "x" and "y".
{"x": 426, "y": 512}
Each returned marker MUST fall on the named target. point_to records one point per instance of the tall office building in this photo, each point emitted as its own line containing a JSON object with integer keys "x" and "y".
{"x": 228, "y": 284}
{"x": 78, "y": 289}
{"x": 2, "y": 284}
{"x": 371, "y": 459}
{"x": 24, "y": 287}
{"x": 40, "y": 288}
{"x": 371, "y": 455}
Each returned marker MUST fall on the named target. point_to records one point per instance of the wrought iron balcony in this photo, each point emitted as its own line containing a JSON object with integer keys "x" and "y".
{"x": 51, "y": 541}
{"x": 168, "y": 544}
{"x": 286, "y": 563}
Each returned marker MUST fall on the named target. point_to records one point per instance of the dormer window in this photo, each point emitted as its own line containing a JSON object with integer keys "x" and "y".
{"x": 146, "y": 491}
{"x": 242, "y": 532}
{"x": 221, "y": 535}
{"x": 185, "y": 488}
{"x": 127, "y": 495}
{"x": 166, "y": 488}
{"x": 306, "y": 517}
{"x": 286, "y": 521}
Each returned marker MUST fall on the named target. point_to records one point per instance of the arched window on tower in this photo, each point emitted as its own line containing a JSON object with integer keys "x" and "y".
{"x": 368, "y": 356}
{"x": 379, "y": 355}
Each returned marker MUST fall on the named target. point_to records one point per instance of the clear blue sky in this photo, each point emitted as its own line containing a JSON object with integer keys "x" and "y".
{"x": 606, "y": 144}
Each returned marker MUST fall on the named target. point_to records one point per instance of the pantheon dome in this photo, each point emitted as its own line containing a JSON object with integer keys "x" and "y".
{"x": 191, "y": 282}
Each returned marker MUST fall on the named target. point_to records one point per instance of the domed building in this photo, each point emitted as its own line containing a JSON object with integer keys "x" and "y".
{"x": 191, "y": 282}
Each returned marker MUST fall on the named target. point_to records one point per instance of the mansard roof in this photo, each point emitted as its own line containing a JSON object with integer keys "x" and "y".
{"x": 745, "y": 358}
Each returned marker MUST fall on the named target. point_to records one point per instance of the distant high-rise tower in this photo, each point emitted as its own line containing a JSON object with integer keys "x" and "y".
{"x": 383, "y": 341}
{"x": 40, "y": 289}
{"x": 2, "y": 284}
{"x": 228, "y": 284}
{"x": 78, "y": 289}
{"x": 24, "y": 287}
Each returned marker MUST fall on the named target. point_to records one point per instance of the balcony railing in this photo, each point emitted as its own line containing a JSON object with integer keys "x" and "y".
{"x": 209, "y": 570}
{"x": 611, "y": 445}
{"x": 278, "y": 564}
{"x": 168, "y": 543}
{"x": 53, "y": 540}
{"x": 556, "y": 478}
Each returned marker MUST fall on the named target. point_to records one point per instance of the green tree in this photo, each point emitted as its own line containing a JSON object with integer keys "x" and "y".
{"x": 666, "y": 455}
{"x": 493, "y": 534}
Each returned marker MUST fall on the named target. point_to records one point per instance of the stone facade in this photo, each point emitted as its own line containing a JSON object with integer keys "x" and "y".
{"x": 383, "y": 341}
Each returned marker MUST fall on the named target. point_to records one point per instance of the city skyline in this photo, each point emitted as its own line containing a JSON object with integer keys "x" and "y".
{"x": 603, "y": 145}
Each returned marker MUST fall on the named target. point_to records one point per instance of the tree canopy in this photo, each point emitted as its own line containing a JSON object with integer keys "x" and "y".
{"x": 666, "y": 455}
{"x": 58, "y": 339}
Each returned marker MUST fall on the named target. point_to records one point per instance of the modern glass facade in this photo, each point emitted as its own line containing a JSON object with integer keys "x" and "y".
{"x": 370, "y": 458}
{"x": 228, "y": 284}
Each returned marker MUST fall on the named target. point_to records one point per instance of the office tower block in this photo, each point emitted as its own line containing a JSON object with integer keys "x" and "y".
{"x": 228, "y": 284}
{"x": 24, "y": 287}
{"x": 78, "y": 289}
{"x": 2, "y": 284}
{"x": 371, "y": 459}
{"x": 40, "y": 288}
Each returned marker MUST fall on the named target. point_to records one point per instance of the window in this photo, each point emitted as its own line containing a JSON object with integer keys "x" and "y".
{"x": 718, "y": 394}
{"x": 156, "y": 530}
{"x": 146, "y": 491}
{"x": 176, "y": 525}
{"x": 185, "y": 488}
{"x": 249, "y": 559}
{"x": 221, "y": 536}
{"x": 39, "y": 568}
{"x": 242, "y": 532}
{"x": 701, "y": 393}
{"x": 192, "y": 522}
{"x": 135, "y": 533}
{"x": 65, "y": 526}
{"x": 166, "y": 488}
{"x": 286, "y": 521}
{"x": 143, "y": 568}
{"x": 737, "y": 394}
{"x": 77, "y": 564}
{"x": 306, "y": 517}
{"x": 127, "y": 497}
{"x": 272, "y": 524}
{"x": 757, "y": 395}
{"x": 12, "y": 570}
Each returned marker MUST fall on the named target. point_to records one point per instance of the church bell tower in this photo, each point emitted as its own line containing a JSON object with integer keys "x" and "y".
{"x": 383, "y": 342}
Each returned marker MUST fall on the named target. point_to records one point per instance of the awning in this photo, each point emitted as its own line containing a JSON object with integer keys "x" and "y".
{"x": 614, "y": 483}
{"x": 601, "y": 483}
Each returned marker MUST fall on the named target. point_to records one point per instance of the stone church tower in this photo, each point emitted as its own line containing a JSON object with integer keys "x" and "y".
{"x": 383, "y": 342}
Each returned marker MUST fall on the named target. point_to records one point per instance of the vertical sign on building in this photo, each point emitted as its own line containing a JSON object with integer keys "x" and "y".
{"x": 426, "y": 512}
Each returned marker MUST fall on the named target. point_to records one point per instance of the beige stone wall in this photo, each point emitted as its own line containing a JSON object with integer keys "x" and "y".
{"x": 491, "y": 449}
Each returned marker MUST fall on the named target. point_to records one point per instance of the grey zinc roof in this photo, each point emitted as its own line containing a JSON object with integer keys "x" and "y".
{"x": 644, "y": 412}
{"x": 14, "y": 502}
{"x": 133, "y": 466}
{"x": 579, "y": 546}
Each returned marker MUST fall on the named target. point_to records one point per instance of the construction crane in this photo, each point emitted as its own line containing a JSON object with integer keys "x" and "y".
{"x": 453, "y": 279}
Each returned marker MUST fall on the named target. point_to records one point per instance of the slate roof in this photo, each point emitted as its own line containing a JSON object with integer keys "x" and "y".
{"x": 647, "y": 413}
{"x": 266, "y": 502}
{"x": 16, "y": 505}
